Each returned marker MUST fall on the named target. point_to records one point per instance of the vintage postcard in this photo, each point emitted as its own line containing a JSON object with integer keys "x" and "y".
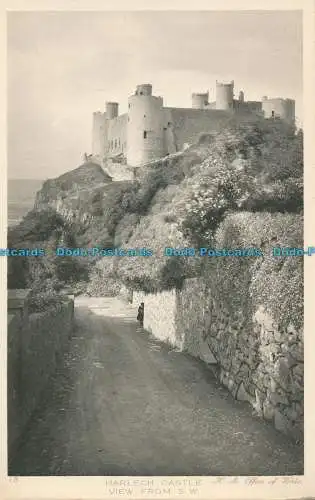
{"x": 158, "y": 249}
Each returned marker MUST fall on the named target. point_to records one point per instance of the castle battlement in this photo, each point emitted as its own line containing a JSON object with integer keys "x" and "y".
{"x": 149, "y": 131}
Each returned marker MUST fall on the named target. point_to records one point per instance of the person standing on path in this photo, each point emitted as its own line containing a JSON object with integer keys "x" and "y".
{"x": 141, "y": 314}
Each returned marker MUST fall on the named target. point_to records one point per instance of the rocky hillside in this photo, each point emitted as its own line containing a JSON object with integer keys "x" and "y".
{"x": 72, "y": 194}
{"x": 85, "y": 177}
{"x": 239, "y": 188}
{"x": 63, "y": 212}
{"x": 84, "y": 197}
{"x": 178, "y": 201}
{"x": 183, "y": 201}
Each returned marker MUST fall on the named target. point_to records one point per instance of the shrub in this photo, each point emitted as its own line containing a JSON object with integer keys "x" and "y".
{"x": 36, "y": 226}
{"x": 44, "y": 301}
{"x": 18, "y": 272}
{"x": 209, "y": 202}
{"x": 101, "y": 285}
{"x": 69, "y": 269}
{"x": 170, "y": 218}
{"x": 254, "y": 166}
{"x": 163, "y": 199}
{"x": 124, "y": 228}
{"x": 245, "y": 283}
{"x": 280, "y": 196}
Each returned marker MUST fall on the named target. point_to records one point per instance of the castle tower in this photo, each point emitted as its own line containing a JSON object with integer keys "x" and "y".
{"x": 144, "y": 89}
{"x": 98, "y": 134}
{"x": 111, "y": 110}
{"x": 145, "y": 133}
{"x": 279, "y": 108}
{"x": 241, "y": 96}
{"x": 199, "y": 101}
{"x": 224, "y": 95}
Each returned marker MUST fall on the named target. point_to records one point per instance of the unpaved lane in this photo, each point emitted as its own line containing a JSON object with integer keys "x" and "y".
{"x": 123, "y": 404}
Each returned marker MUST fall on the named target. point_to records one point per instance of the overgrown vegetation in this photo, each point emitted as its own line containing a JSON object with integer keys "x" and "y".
{"x": 45, "y": 276}
{"x": 255, "y": 167}
{"x": 241, "y": 186}
{"x": 245, "y": 283}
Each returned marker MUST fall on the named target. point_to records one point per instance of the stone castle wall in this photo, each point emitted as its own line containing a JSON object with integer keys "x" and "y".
{"x": 116, "y": 140}
{"x": 150, "y": 131}
{"x": 188, "y": 124}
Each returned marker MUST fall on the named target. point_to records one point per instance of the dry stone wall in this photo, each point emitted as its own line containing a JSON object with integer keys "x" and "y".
{"x": 255, "y": 359}
{"x": 36, "y": 343}
{"x": 159, "y": 315}
{"x": 192, "y": 320}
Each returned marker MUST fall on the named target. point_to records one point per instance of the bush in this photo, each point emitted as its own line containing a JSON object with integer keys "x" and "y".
{"x": 280, "y": 196}
{"x": 69, "y": 269}
{"x": 209, "y": 202}
{"x": 36, "y": 226}
{"x": 255, "y": 166}
{"x": 245, "y": 283}
{"x": 102, "y": 286}
{"x": 48, "y": 230}
{"x": 18, "y": 272}
{"x": 124, "y": 228}
{"x": 44, "y": 301}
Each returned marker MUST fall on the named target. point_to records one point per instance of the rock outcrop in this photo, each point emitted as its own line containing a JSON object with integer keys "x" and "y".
{"x": 84, "y": 198}
{"x": 83, "y": 178}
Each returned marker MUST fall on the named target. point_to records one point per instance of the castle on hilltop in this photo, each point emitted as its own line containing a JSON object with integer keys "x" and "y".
{"x": 149, "y": 131}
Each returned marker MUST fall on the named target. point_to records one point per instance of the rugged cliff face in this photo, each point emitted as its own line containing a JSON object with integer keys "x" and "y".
{"x": 84, "y": 197}
{"x": 73, "y": 210}
{"x": 74, "y": 183}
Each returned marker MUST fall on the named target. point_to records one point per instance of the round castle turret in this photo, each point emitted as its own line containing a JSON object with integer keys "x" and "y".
{"x": 145, "y": 134}
{"x": 98, "y": 134}
{"x": 224, "y": 95}
{"x": 199, "y": 101}
{"x": 144, "y": 89}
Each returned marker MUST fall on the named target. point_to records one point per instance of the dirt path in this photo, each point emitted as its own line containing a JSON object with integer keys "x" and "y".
{"x": 123, "y": 404}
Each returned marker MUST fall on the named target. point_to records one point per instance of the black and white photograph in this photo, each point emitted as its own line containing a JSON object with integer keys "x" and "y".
{"x": 155, "y": 244}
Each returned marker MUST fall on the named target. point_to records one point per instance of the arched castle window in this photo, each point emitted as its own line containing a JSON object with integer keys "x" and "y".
{"x": 144, "y": 134}
{"x": 115, "y": 143}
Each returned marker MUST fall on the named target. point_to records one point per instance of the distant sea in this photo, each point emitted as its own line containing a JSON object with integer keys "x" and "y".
{"x": 21, "y": 197}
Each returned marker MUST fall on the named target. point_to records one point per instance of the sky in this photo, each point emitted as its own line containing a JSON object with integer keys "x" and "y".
{"x": 62, "y": 66}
